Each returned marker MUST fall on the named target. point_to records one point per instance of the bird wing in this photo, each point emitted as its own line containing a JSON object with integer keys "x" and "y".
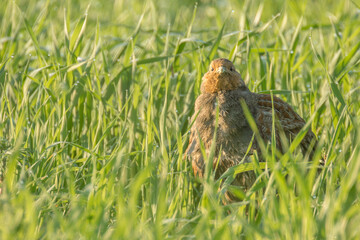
{"x": 288, "y": 121}
{"x": 193, "y": 153}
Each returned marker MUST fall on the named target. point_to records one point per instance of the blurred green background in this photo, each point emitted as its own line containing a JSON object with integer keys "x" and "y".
{"x": 95, "y": 100}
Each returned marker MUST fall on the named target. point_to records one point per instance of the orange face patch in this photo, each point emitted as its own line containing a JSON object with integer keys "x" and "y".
{"x": 221, "y": 76}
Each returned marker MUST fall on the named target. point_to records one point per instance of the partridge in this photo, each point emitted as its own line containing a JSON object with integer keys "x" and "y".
{"x": 219, "y": 104}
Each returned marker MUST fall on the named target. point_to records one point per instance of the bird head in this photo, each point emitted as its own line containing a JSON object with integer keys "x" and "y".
{"x": 221, "y": 76}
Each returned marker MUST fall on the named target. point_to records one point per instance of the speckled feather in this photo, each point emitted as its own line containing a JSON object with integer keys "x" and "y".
{"x": 223, "y": 87}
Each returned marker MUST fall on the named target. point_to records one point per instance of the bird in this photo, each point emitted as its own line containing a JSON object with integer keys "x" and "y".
{"x": 219, "y": 111}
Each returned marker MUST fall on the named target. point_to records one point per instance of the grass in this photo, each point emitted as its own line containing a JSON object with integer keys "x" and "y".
{"x": 95, "y": 103}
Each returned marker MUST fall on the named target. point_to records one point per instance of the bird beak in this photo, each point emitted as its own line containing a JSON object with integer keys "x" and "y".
{"x": 221, "y": 69}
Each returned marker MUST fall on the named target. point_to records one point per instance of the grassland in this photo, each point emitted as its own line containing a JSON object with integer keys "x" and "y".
{"x": 95, "y": 99}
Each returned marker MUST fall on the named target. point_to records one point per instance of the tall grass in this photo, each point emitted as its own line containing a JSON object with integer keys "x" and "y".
{"x": 95, "y": 99}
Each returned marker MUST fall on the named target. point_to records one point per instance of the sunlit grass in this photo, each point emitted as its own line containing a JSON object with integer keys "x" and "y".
{"x": 95, "y": 100}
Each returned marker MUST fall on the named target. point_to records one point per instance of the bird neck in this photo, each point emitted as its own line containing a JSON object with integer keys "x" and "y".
{"x": 213, "y": 85}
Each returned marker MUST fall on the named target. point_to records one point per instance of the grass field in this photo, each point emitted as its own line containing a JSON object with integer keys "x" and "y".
{"x": 95, "y": 100}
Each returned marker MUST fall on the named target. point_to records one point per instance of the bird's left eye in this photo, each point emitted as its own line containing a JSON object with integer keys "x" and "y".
{"x": 231, "y": 69}
{"x": 212, "y": 69}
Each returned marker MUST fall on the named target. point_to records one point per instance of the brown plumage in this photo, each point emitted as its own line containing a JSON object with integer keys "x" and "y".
{"x": 224, "y": 88}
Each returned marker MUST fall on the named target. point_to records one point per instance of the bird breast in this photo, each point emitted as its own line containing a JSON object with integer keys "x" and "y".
{"x": 233, "y": 133}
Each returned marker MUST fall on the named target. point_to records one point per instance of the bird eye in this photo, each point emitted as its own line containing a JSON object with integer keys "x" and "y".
{"x": 231, "y": 69}
{"x": 212, "y": 69}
